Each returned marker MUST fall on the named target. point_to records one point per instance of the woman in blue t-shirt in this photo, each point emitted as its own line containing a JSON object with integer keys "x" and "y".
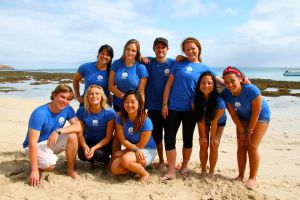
{"x": 177, "y": 105}
{"x": 98, "y": 124}
{"x": 211, "y": 118}
{"x": 95, "y": 73}
{"x": 134, "y": 131}
{"x": 251, "y": 115}
{"x": 127, "y": 73}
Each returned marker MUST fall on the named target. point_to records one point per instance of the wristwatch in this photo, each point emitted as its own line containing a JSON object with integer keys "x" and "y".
{"x": 58, "y": 130}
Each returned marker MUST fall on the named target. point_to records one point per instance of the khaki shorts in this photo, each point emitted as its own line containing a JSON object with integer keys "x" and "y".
{"x": 48, "y": 156}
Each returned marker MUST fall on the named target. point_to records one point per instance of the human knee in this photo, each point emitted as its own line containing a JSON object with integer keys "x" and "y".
{"x": 252, "y": 148}
{"x": 49, "y": 168}
{"x": 188, "y": 145}
{"x": 73, "y": 138}
{"x": 125, "y": 162}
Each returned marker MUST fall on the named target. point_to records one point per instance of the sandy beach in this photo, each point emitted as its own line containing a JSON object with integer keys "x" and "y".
{"x": 278, "y": 176}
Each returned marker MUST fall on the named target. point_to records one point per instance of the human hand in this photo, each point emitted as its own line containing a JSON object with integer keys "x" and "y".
{"x": 52, "y": 139}
{"x": 165, "y": 111}
{"x": 34, "y": 178}
{"x": 215, "y": 141}
{"x": 180, "y": 58}
{"x": 140, "y": 155}
{"x": 145, "y": 60}
{"x": 80, "y": 99}
{"x": 90, "y": 154}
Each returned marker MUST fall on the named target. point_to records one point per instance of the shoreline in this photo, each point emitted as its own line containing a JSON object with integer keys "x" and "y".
{"x": 278, "y": 176}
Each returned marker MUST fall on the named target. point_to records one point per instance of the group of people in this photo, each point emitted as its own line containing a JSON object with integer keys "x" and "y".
{"x": 127, "y": 105}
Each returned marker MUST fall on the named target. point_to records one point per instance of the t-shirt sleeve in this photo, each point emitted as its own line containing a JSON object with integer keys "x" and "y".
{"x": 119, "y": 120}
{"x": 221, "y": 103}
{"x": 111, "y": 114}
{"x": 114, "y": 65}
{"x": 36, "y": 120}
{"x": 79, "y": 113}
{"x": 253, "y": 91}
{"x": 71, "y": 113}
{"x": 81, "y": 70}
{"x": 148, "y": 126}
{"x": 142, "y": 71}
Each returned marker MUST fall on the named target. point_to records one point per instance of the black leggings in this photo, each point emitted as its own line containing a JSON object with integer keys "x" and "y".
{"x": 173, "y": 122}
{"x": 100, "y": 155}
{"x": 159, "y": 123}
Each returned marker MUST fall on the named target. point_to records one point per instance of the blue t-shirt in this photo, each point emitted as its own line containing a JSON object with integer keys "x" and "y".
{"x": 135, "y": 137}
{"x": 186, "y": 75}
{"x": 93, "y": 76}
{"x": 220, "y": 106}
{"x": 95, "y": 124}
{"x": 158, "y": 77}
{"x": 242, "y": 104}
{"x": 45, "y": 121}
{"x": 127, "y": 78}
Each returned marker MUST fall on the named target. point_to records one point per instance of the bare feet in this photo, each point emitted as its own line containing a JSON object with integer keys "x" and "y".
{"x": 160, "y": 165}
{"x": 239, "y": 178}
{"x": 212, "y": 176}
{"x": 250, "y": 183}
{"x": 168, "y": 176}
{"x": 203, "y": 174}
{"x": 178, "y": 166}
{"x": 184, "y": 172}
{"x": 145, "y": 177}
{"x": 73, "y": 174}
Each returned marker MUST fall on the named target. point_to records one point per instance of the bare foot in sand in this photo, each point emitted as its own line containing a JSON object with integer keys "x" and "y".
{"x": 73, "y": 174}
{"x": 250, "y": 183}
{"x": 239, "y": 178}
{"x": 203, "y": 174}
{"x": 160, "y": 165}
{"x": 168, "y": 177}
{"x": 211, "y": 175}
{"x": 145, "y": 177}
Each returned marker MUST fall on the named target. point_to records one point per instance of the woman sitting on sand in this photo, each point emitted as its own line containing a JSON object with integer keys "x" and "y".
{"x": 134, "y": 131}
{"x": 251, "y": 115}
{"x": 97, "y": 122}
{"x": 211, "y": 118}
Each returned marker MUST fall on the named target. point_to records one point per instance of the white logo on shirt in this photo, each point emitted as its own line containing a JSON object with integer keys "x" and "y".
{"x": 237, "y": 105}
{"x": 100, "y": 78}
{"x": 61, "y": 121}
{"x": 130, "y": 129}
{"x": 189, "y": 69}
{"x": 124, "y": 75}
{"x": 95, "y": 122}
{"x": 167, "y": 72}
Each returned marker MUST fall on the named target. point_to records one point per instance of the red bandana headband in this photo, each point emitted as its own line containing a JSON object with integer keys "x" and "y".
{"x": 232, "y": 70}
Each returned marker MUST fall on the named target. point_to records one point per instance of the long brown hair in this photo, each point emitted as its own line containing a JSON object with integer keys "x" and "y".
{"x": 195, "y": 41}
{"x": 141, "y": 113}
{"x": 138, "y": 49}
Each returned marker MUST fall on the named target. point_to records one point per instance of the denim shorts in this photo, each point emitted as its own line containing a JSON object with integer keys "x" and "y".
{"x": 266, "y": 120}
{"x": 150, "y": 155}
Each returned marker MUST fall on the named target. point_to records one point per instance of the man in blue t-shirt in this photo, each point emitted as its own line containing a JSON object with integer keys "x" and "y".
{"x": 158, "y": 70}
{"x": 46, "y": 136}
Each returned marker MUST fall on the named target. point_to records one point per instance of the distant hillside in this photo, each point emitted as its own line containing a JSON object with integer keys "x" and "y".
{"x": 6, "y": 67}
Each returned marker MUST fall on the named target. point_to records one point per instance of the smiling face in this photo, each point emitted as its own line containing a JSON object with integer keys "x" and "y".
{"x": 131, "y": 104}
{"x": 104, "y": 57}
{"x": 94, "y": 96}
{"x": 206, "y": 85}
{"x": 61, "y": 100}
{"x": 130, "y": 52}
{"x": 191, "y": 51}
{"x": 160, "y": 50}
{"x": 233, "y": 83}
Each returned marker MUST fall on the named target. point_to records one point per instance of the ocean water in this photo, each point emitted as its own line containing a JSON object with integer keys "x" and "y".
{"x": 263, "y": 73}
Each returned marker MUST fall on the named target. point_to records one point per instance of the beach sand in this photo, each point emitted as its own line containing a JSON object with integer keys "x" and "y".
{"x": 278, "y": 176}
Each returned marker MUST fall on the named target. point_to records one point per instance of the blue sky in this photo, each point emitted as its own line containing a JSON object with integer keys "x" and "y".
{"x": 64, "y": 34}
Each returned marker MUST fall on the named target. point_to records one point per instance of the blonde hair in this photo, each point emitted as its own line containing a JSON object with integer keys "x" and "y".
{"x": 195, "y": 41}
{"x": 103, "y": 99}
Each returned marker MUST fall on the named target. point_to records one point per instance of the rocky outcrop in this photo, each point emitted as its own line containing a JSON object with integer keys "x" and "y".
{"x": 6, "y": 67}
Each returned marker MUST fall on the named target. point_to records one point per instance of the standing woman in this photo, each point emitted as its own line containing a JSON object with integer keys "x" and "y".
{"x": 134, "y": 131}
{"x": 177, "y": 104}
{"x": 251, "y": 115}
{"x": 98, "y": 124}
{"x": 211, "y": 119}
{"x": 95, "y": 73}
{"x": 127, "y": 73}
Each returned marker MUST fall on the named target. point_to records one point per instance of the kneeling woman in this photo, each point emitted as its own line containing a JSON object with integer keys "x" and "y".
{"x": 211, "y": 119}
{"x": 134, "y": 131}
{"x": 251, "y": 115}
{"x": 97, "y": 122}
